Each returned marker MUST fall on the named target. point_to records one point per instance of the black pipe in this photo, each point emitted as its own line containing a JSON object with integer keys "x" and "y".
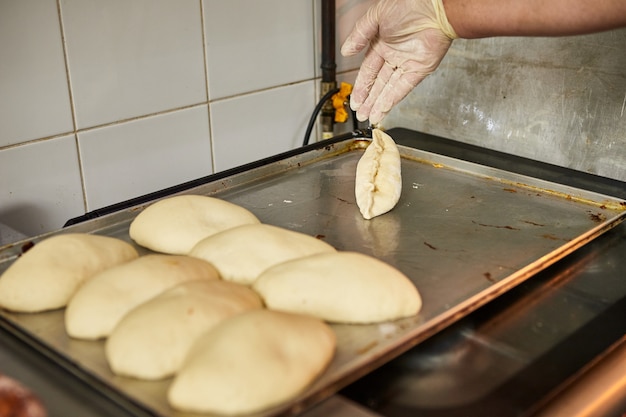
{"x": 328, "y": 41}
{"x": 316, "y": 113}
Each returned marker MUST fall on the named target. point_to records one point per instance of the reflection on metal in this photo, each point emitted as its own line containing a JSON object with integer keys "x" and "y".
{"x": 599, "y": 391}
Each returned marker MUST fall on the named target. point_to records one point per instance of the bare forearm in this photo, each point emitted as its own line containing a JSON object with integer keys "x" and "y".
{"x": 485, "y": 18}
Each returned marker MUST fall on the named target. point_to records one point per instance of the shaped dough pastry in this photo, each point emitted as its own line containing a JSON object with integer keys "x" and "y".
{"x": 48, "y": 275}
{"x": 378, "y": 181}
{"x": 174, "y": 225}
{"x": 341, "y": 287}
{"x": 240, "y": 254}
{"x": 100, "y": 304}
{"x": 251, "y": 362}
{"x": 151, "y": 341}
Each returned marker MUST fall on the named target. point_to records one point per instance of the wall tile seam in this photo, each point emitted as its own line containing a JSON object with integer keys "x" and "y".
{"x": 162, "y": 112}
{"x": 104, "y": 125}
{"x": 68, "y": 78}
{"x": 205, "y": 62}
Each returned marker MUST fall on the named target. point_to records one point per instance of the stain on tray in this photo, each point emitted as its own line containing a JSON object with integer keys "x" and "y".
{"x": 488, "y": 276}
{"x": 495, "y": 226}
{"x": 430, "y": 246}
{"x": 533, "y": 223}
{"x": 510, "y": 190}
{"x": 320, "y": 237}
{"x": 596, "y": 217}
{"x": 550, "y": 236}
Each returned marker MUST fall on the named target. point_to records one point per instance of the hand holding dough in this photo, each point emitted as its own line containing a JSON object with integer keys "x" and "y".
{"x": 378, "y": 181}
{"x": 48, "y": 275}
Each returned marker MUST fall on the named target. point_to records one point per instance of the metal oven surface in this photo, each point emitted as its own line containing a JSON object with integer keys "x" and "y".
{"x": 462, "y": 232}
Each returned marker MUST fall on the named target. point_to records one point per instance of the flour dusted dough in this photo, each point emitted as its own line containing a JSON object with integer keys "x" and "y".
{"x": 174, "y": 225}
{"x": 98, "y": 305}
{"x": 240, "y": 254}
{"x": 378, "y": 181}
{"x": 252, "y": 362}
{"x": 151, "y": 341}
{"x": 342, "y": 287}
{"x": 48, "y": 275}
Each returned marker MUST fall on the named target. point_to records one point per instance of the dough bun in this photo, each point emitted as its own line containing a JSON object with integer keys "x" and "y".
{"x": 378, "y": 180}
{"x": 151, "y": 341}
{"x": 48, "y": 274}
{"x": 251, "y": 362}
{"x": 341, "y": 287}
{"x": 174, "y": 225}
{"x": 240, "y": 254}
{"x": 100, "y": 304}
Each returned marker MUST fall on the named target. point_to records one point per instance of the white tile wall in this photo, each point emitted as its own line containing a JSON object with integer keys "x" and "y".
{"x": 129, "y": 59}
{"x": 253, "y": 126}
{"x": 40, "y": 186}
{"x": 163, "y": 91}
{"x": 268, "y": 45}
{"x": 145, "y": 155}
{"x": 34, "y": 99}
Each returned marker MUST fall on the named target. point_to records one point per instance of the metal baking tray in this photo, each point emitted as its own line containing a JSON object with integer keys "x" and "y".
{"x": 464, "y": 233}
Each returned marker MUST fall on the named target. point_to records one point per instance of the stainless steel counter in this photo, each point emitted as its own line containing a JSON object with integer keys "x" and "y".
{"x": 507, "y": 358}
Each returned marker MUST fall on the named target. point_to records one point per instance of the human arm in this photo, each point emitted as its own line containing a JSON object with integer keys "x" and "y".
{"x": 486, "y": 18}
{"x": 407, "y": 39}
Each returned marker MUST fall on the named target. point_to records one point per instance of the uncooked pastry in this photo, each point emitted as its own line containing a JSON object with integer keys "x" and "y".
{"x": 48, "y": 274}
{"x": 174, "y": 225}
{"x": 99, "y": 305}
{"x": 151, "y": 341}
{"x": 251, "y": 362}
{"x": 341, "y": 287}
{"x": 378, "y": 180}
{"x": 240, "y": 254}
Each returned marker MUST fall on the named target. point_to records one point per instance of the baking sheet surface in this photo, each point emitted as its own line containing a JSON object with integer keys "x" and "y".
{"x": 463, "y": 233}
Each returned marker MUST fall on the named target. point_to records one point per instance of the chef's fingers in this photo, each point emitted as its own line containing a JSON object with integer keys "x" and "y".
{"x": 365, "y": 29}
{"x": 399, "y": 85}
{"x": 371, "y": 66}
{"x": 381, "y": 81}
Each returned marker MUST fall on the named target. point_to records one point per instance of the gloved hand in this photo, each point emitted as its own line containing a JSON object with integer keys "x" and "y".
{"x": 407, "y": 39}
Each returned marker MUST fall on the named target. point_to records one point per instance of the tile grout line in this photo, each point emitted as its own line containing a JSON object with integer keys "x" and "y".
{"x": 158, "y": 113}
{"x": 145, "y": 116}
{"x": 72, "y": 105}
{"x": 205, "y": 57}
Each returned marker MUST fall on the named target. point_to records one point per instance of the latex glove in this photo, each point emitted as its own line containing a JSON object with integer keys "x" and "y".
{"x": 407, "y": 40}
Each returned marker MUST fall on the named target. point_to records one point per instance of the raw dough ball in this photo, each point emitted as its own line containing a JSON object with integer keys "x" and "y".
{"x": 151, "y": 341}
{"x": 240, "y": 254}
{"x": 174, "y": 225}
{"x": 252, "y": 362}
{"x": 48, "y": 275}
{"x": 99, "y": 305}
{"x": 342, "y": 287}
{"x": 378, "y": 181}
